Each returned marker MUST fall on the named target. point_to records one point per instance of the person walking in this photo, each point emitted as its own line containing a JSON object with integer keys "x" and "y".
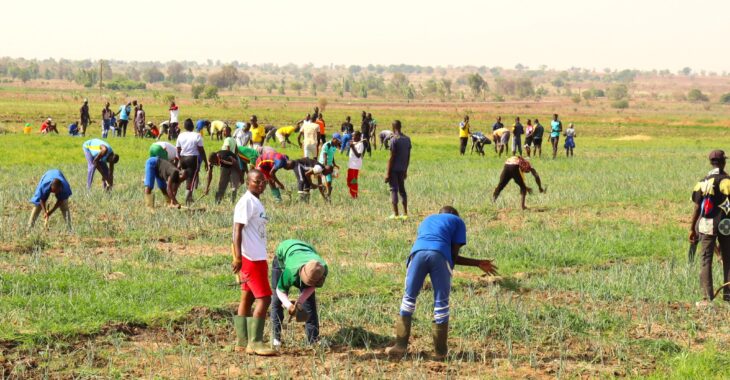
{"x": 52, "y": 182}
{"x": 464, "y": 134}
{"x": 296, "y": 264}
{"x": 710, "y": 224}
{"x": 397, "y": 170}
{"x": 249, "y": 264}
{"x": 434, "y": 253}
{"x": 555, "y": 128}
{"x": 84, "y": 117}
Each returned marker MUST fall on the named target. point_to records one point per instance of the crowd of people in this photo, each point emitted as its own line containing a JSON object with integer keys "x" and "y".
{"x": 532, "y": 131}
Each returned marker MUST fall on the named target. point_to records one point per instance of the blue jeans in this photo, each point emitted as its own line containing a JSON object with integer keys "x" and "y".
{"x": 311, "y": 327}
{"x": 151, "y": 175}
{"x": 346, "y": 143}
{"x": 433, "y": 264}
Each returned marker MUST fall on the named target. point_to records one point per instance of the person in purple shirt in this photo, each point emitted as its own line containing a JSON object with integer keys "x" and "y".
{"x": 52, "y": 182}
{"x": 434, "y": 253}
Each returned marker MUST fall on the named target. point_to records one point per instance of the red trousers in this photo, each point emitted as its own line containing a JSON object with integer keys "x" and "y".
{"x": 352, "y": 181}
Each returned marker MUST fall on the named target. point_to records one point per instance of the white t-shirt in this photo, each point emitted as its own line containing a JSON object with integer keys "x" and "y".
{"x": 356, "y": 162}
{"x": 309, "y": 130}
{"x": 250, "y": 212}
{"x": 173, "y": 115}
{"x": 188, "y": 142}
{"x": 171, "y": 150}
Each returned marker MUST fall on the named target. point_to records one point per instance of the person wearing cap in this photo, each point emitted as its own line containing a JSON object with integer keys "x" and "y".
{"x": 164, "y": 150}
{"x": 269, "y": 163}
{"x": 168, "y": 178}
{"x": 296, "y": 264}
{"x": 434, "y": 253}
{"x": 230, "y": 171}
{"x": 710, "y": 223}
{"x": 48, "y": 126}
{"x": 27, "y": 129}
{"x": 84, "y": 116}
{"x": 249, "y": 264}
{"x": 514, "y": 169}
{"x": 52, "y": 182}
{"x": 304, "y": 169}
{"x": 327, "y": 158}
{"x": 98, "y": 154}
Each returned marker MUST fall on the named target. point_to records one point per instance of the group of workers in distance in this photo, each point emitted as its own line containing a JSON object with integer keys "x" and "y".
{"x": 533, "y": 135}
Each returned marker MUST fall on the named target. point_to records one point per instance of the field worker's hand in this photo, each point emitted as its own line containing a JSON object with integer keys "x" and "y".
{"x": 693, "y": 236}
{"x": 529, "y": 190}
{"x": 236, "y": 265}
{"x": 487, "y": 267}
{"x": 293, "y": 308}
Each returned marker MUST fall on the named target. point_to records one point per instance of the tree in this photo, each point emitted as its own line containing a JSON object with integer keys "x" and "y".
{"x": 176, "y": 73}
{"x": 106, "y": 71}
{"x": 225, "y": 78}
{"x": 320, "y": 81}
{"x": 354, "y": 69}
{"x": 399, "y": 80}
{"x": 524, "y": 88}
{"x": 197, "y": 90}
{"x": 244, "y": 79}
{"x": 695, "y": 95}
{"x": 725, "y": 98}
{"x": 476, "y": 83}
{"x": 153, "y": 75}
{"x": 618, "y": 92}
{"x": 686, "y": 71}
{"x": 446, "y": 83}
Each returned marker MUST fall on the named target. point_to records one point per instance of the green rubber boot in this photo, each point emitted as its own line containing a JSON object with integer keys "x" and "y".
{"x": 239, "y": 322}
{"x": 440, "y": 333}
{"x": 402, "y": 334}
{"x": 276, "y": 193}
{"x": 256, "y": 343}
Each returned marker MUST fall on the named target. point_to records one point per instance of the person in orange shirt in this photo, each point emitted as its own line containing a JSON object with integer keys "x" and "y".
{"x": 320, "y": 122}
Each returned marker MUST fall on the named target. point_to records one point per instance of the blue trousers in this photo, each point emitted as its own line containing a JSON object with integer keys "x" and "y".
{"x": 151, "y": 175}
{"x": 311, "y": 327}
{"x": 433, "y": 264}
{"x": 345, "y": 143}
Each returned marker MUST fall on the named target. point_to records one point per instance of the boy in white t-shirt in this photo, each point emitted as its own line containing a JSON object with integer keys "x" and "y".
{"x": 357, "y": 148}
{"x": 249, "y": 263}
{"x": 191, "y": 152}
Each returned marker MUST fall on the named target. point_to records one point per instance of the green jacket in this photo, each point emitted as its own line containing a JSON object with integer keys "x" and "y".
{"x": 292, "y": 255}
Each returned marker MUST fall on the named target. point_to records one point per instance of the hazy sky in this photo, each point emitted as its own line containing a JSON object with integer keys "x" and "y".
{"x": 642, "y": 34}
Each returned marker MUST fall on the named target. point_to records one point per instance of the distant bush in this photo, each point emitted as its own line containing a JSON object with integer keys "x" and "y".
{"x": 125, "y": 84}
{"x": 587, "y": 95}
{"x": 696, "y": 95}
{"x": 618, "y": 92}
{"x": 620, "y": 104}
{"x": 196, "y": 90}
{"x": 210, "y": 92}
{"x": 725, "y": 98}
{"x": 575, "y": 98}
{"x": 598, "y": 93}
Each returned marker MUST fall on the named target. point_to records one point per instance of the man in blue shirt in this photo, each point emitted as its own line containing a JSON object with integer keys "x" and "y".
{"x": 124, "y": 112}
{"x": 435, "y": 252}
{"x": 52, "y": 182}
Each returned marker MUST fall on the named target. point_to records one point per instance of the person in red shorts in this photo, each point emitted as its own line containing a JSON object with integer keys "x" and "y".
{"x": 269, "y": 162}
{"x": 249, "y": 262}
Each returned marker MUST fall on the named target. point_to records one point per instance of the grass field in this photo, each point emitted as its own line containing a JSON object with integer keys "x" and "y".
{"x": 594, "y": 278}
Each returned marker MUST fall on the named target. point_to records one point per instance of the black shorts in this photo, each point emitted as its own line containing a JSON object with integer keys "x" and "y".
{"x": 537, "y": 142}
{"x": 528, "y": 141}
{"x": 191, "y": 166}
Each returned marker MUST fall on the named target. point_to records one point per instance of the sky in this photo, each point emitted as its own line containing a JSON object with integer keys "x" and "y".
{"x": 592, "y": 34}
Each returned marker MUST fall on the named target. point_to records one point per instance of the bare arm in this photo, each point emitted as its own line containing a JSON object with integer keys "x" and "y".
{"x": 485, "y": 265}
{"x": 210, "y": 179}
{"x": 201, "y": 151}
{"x": 237, "y": 240}
{"x": 537, "y": 179}
{"x": 390, "y": 164}
{"x": 695, "y": 217}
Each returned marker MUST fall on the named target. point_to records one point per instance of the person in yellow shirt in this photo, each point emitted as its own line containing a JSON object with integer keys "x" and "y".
{"x": 258, "y": 132}
{"x": 464, "y": 134}
{"x": 501, "y": 139}
{"x": 217, "y": 127}
{"x": 283, "y": 133}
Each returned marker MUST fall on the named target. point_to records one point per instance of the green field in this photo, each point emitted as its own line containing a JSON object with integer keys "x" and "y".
{"x": 594, "y": 278}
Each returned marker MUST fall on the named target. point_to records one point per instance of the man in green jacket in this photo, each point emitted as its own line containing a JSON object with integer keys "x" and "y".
{"x": 296, "y": 264}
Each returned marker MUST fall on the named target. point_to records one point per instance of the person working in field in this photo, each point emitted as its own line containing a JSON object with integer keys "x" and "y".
{"x": 514, "y": 169}
{"x": 296, "y": 264}
{"x": 165, "y": 151}
{"x": 434, "y": 253}
{"x": 354, "y": 164}
{"x": 497, "y": 125}
{"x": 464, "y": 134}
{"x": 710, "y": 224}
{"x": 270, "y": 132}
{"x": 282, "y": 134}
{"x": 249, "y": 264}
{"x": 569, "y": 140}
{"x": 555, "y": 128}
{"x": 203, "y": 125}
{"x": 84, "y": 116}
{"x": 397, "y": 170}
{"x": 168, "y": 178}
{"x": 48, "y": 126}
{"x": 52, "y": 182}
{"x": 164, "y": 130}
{"x": 98, "y": 154}
{"x": 73, "y": 129}
{"x": 373, "y": 129}
{"x": 258, "y": 132}
{"x": 347, "y": 130}
{"x": 230, "y": 171}
{"x": 269, "y": 163}
{"x": 242, "y": 134}
{"x": 327, "y": 158}
{"x": 304, "y": 169}
{"x": 501, "y": 139}
{"x": 385, "y": 136}
{"x": 537, "y": 138}
{"x": 217, "y": 127}
{"x": 308, "y": 138}
{"x": 191, "y": 152}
